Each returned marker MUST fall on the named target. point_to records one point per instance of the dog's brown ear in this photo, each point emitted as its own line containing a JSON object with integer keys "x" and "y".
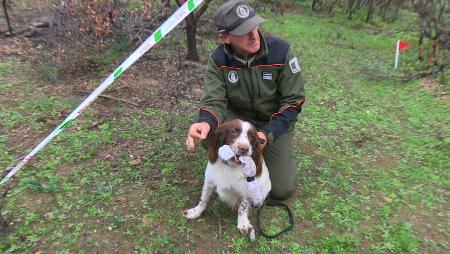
{"x": 215, "y": 142}
{"x": 257, "y": 155}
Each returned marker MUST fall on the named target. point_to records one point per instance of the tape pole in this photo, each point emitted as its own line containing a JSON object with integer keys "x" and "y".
{"x": 187, "y": 8}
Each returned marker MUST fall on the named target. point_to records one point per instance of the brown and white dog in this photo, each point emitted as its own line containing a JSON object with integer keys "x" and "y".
{"x": 227, "y": 177}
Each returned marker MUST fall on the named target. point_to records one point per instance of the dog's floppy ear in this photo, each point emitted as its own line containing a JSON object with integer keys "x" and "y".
{"x": 215, "y": 142}
{"x": 257, "y": 154}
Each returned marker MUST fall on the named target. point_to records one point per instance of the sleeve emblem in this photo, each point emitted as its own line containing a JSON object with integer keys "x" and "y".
{"x": 295, "y": 67}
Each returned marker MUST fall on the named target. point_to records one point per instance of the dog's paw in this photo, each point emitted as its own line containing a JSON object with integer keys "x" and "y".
{"x": 192, "y": 213}
{"x": 247, "y": 229}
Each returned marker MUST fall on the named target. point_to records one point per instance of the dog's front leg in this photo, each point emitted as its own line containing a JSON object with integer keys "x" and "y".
{"x": 244, "y": 226}
{"x": 207, "y": 191}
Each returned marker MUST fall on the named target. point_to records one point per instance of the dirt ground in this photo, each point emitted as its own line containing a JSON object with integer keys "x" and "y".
{"x": 161, "y": 83}
{"x": 151, "y": 81}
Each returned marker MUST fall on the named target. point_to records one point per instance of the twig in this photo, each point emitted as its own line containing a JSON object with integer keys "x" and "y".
{"x": 5, "y": 10}
{"x": 121, "y": 82}
{"x": 416, "y": 75}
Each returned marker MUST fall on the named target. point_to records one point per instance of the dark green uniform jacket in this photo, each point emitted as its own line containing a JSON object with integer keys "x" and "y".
{"x": 266, "y": 90}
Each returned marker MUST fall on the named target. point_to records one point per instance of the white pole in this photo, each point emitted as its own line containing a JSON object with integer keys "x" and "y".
{"x": 397, "y": 54}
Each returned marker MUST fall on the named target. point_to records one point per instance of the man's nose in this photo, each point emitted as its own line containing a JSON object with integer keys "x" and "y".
{"x": 253, "y": 33}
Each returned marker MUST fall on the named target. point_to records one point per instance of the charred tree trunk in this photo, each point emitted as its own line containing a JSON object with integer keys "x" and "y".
{"x": 314, "y": 5}
{"x": 432, "y": 29}
{"x": 191, "y": 36}
{"x": 421, "y": 36}
{"x": 398, "y": 4}
{"x": 191, "y": 30}
{"x": 370, "y": 10}
{"x": 166, "y": 3}
{"x": 5, "y": 9}
{"x": 350, "y": 7}
{"x": 384, "y": 5}
{"x": 332, "y": 6}
{"x": 434, "y": 44}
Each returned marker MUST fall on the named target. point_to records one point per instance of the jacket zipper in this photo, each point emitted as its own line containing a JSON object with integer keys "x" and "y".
{"x": 252, "y": 95}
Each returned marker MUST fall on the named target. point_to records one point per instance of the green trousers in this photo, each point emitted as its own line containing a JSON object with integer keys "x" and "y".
{"x": 280, "y": 160}
{"x": 282, "y": 165}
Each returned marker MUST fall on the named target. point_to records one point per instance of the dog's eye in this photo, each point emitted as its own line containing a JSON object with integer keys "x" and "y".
{"x": 236, "y": 130}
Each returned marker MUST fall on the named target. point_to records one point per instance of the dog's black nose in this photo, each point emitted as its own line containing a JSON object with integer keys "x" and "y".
{"x": 243, "y": 149}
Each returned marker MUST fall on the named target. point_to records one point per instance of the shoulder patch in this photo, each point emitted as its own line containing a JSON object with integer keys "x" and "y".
{"x": 295, "y": 67}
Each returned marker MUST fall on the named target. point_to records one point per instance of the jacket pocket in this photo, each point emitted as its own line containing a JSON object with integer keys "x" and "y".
{"x": 265, "y": 106}
{"x": 266, "y": 78}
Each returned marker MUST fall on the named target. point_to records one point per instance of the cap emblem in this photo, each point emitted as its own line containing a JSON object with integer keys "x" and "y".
{"x": 243, "y": 11}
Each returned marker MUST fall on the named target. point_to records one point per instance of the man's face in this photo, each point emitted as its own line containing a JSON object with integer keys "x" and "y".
{"x": 244, "y": 45}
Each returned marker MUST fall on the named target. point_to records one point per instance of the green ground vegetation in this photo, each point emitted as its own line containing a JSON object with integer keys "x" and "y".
{"x": 372, "y": 155}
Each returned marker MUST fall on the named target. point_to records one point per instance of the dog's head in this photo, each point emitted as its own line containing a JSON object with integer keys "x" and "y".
{"x": 243, "y": 139}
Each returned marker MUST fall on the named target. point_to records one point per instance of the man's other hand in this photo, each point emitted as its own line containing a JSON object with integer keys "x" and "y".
{"x": 262, "y": 136}
{"x": 197, "y": 132}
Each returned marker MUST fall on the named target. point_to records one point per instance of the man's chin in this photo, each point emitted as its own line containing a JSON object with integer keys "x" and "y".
{"x": 253, "y": 50}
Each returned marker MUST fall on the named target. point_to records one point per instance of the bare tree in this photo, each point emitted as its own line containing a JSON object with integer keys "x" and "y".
{"x": 433, "y": 27}
{"x": 93, "y": 22}
{"x": 370, "y": 10}
{"x": 5, "y": 10}
{"x": 333, "y": 4}
{"x": 191, "y": 29}
{"x": 316, "y": 5}
{"x": 350, "y": 8}
{"x": 166, "y": 4}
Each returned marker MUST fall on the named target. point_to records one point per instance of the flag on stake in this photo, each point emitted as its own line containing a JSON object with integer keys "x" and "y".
{"x": 401, "y": 45}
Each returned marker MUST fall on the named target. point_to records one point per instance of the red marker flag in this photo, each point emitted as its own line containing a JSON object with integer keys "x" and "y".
{"x": 401, "y": 45}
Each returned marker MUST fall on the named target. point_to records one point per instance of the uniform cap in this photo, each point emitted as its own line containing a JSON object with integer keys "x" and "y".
{"x": 237, "y": 17}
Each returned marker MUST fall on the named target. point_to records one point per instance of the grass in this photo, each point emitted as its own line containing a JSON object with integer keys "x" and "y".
{"x": 372, "y": 155}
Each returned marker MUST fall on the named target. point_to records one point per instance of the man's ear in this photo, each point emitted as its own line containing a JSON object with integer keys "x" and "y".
{"x": 224, "y": 38}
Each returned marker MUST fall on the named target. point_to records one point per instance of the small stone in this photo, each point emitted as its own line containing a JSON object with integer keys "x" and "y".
{"x": 135, "y": 162}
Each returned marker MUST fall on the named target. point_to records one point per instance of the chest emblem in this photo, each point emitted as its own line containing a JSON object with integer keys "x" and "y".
{"x": 267, "y": 75}
{"x": 233, "y": 77}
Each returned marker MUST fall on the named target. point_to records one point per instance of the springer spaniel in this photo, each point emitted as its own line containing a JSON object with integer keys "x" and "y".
{"x": 227, "y": 177}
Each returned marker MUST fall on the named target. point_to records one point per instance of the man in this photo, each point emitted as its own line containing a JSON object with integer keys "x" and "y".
{"x": 258, "y": 79}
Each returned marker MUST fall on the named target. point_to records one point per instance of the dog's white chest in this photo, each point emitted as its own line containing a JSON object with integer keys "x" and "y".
{"x": 225, "y": 177}
{"x": 231, "y": 182}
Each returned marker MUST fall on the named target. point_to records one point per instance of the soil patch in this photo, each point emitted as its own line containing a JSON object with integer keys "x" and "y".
{"x": 435, "y": 88}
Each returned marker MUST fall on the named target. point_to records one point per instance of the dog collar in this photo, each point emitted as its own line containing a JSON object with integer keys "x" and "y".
{"x": 251, "y": 178}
